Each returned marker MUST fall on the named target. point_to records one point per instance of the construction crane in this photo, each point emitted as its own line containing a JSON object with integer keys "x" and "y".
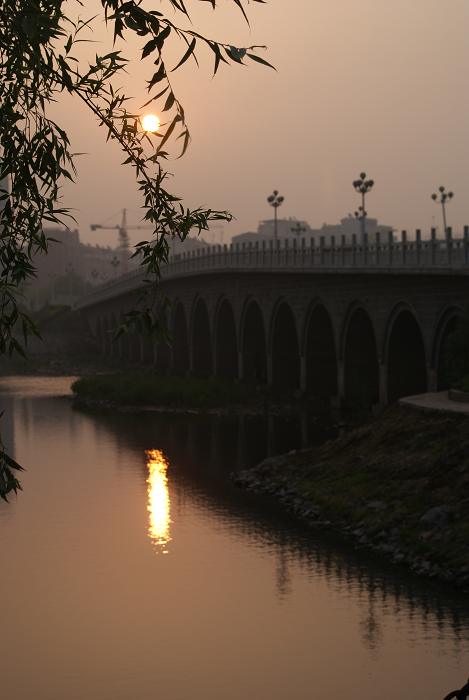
{"x": 123, "y": 237}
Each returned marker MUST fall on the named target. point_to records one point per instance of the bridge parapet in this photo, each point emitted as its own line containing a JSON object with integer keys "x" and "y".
{"x": 374, "y": 254}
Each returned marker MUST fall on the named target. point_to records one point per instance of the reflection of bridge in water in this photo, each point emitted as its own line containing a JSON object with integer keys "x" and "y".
{"x": 200, "y": 456}
{"x": 365, "y": 323}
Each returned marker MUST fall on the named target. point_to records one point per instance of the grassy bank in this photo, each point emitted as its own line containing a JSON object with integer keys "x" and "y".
{"x": 398, "y": 484}
{"x": 145, "y": 389}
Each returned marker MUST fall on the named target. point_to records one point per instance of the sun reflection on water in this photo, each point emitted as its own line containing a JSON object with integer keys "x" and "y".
{"x": 158, "y": 500}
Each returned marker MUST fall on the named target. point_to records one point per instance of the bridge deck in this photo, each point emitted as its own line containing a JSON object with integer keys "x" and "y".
{"x": 416, "y": 257}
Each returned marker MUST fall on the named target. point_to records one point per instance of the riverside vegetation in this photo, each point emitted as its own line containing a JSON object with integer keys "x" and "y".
{"x": 397, "y": 485}
{"x": 146, "y": 389}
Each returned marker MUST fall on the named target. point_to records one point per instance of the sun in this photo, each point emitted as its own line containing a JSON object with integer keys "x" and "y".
{"x": 150, "y": 122}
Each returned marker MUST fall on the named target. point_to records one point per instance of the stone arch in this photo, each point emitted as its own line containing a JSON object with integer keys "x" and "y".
{"x": 181, "y": 363}
{"x": 226, "y": 342}
{"x": 135, "y": 344}
{"x": 320, "y": 353}
{"x": 124, "y": 343}
{"x": 253, "y": 344}
{"x": 99, "y": 333}
{"x": 162, "y": 347}
{"x": 448, "y": 322}
{"x": 148, "y": 348}
{"x": 285, "y": 350}
{"x": 404, "y": 355}
{"x": 115, "y": 345}
{"x": 202, "y": 361}
{"x": 360, "y": 358}
{"x": 107, "y": 337}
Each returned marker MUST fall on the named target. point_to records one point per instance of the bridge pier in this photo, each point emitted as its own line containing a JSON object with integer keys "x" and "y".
{"x": 240, "y": 366}
{"x": 270, "y": 370}
{"x": 303, "y": 374}
{"x": 432, "y": 378}
{"x": 340, "y": 382}
{"x": 383, "y": 384}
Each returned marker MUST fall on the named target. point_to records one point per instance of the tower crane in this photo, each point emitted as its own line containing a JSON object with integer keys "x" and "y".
{"x": 123, "y": 237}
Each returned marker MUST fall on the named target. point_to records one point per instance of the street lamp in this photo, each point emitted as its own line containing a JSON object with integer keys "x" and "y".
{"x": 275, "y": 200}
{"x": 444, "y": 197}
{"x": 298, "y": 229}
{"x": 362, "y": 186}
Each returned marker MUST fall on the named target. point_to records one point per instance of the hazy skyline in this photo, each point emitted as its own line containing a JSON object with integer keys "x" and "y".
{"x": 371, "y": 85}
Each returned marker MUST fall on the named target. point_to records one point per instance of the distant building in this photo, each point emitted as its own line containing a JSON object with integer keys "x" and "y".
{"x": 68, "y": 270}
{"x": 71, "y": 268}
{"x": 350, "y": 226}
{"x": 292, "y": 228}
{"x": 286, "y": 228}
{"x": 187, "y": 245}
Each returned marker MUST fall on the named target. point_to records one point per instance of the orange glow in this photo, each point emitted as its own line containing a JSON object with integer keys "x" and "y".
{"x": 158, "y": 500}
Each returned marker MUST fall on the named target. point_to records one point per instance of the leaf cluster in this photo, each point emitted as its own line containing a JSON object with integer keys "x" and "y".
{"x": 38, "y": 62}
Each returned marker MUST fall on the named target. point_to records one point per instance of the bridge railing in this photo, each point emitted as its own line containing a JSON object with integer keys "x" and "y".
{"x": 373, "y": 253}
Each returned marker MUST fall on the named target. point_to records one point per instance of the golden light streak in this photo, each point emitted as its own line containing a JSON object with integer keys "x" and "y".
{"x": 158, "y": 500}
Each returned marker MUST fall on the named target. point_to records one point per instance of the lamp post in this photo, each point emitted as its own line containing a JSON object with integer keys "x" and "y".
{"x": 443, "y": 198}
{"x": 275, "y": 200}
{"x": 298, "y": 229}
{"x": 362, "y": 186}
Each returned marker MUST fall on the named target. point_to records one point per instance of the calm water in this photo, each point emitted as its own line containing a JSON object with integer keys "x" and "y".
{"x": 131, "y": 569}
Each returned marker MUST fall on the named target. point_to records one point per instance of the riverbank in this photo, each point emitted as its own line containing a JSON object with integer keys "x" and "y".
{"x": 397, "y": 485}
{"x": 137, "y": 390}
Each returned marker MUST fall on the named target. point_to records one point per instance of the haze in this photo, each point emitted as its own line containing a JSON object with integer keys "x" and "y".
{"x": 369, "y": 85}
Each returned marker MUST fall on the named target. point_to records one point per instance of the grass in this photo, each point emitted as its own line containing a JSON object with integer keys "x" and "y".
{"x": 140, "y": 389}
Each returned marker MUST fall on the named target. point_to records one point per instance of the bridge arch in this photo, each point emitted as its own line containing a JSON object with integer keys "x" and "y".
{"x": 162, "y": 347}
{"x": 319, "y": 350}
{"x": 124, "y": 343}
{"x": 107, "y": 337}
{"x": 448, "y": 323}
{"x": 360, "y": 358}
{"x": 115, "y": 345}
{"x": 253, "y": 343}
{"x": 226, "y": 341}
{"x": 285, "y": 350}
{"x": 148, "y": 348}
{"x": 201, "y": 340}
{"x": 404, "y": 354}
{"x": 181, "y": 355}
{"x": 135, "y": 344}
{"x": 99, "y": 333}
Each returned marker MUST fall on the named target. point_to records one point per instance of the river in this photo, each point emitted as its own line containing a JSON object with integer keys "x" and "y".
{"x": 132, "y": 569}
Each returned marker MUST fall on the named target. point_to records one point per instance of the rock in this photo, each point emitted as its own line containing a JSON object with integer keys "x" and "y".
{"x": 435, "y": 517}
{"x": 376, "y": 505}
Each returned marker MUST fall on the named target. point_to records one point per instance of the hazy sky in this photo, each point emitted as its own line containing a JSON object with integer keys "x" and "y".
{"x": 374, "y": 85}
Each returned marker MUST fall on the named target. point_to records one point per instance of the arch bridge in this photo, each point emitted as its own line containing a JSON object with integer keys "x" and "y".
{"x": 347, "y": 322}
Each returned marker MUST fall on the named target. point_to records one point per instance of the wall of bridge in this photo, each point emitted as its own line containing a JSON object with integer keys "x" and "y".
{"x": 360, "y": 338}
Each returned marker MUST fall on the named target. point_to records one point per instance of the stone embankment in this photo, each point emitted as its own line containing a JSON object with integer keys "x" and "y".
{"x": 397, "y": 485}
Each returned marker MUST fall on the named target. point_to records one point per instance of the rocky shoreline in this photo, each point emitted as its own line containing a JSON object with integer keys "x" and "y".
{"x": 396, "y": 486}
